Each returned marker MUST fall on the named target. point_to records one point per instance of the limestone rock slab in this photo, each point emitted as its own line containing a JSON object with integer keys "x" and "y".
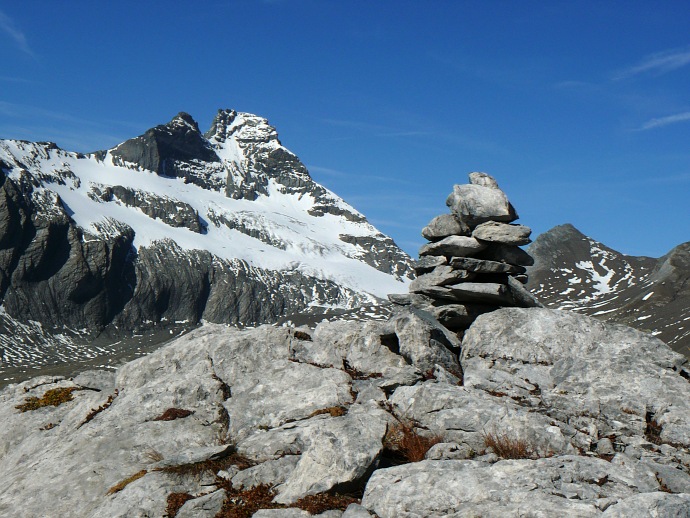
{"x": 445, "y": 225}
{"x": 496, "y": 232}
{"x": 477, "y": 204}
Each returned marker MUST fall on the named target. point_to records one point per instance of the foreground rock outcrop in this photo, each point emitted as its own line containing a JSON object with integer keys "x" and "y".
{"x": 536, "y": 413}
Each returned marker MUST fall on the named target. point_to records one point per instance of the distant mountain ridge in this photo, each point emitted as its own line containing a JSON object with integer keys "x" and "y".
{"x": 174, "y": 227}
{"x": 575, "y": 272}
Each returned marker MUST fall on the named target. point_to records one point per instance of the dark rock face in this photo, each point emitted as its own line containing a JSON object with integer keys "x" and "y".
{"x": 168, "y": 149}
{"x": 572, "y": 271}
{"x": 50, "y": 272}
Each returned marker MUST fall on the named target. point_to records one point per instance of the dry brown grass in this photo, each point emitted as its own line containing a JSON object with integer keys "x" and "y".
{"x": 95, "y": 411}
{"x": 317, "y": 504}
{"x": 53, "y": 397}
{"x": 508, "y": 447}
{"x": 124, "y": 483}
{"x": 243, "y": 503}
{"x": 333, "y": 411}
{"x": 175, "y": 503}
{"x": 173, "y": 413}
{"x": 402, "y": 439}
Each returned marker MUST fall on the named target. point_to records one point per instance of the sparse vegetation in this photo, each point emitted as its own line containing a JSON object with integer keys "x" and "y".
{"x": 406, "y": 444}
{"x": 211, "y": 465}
{"x": 95, "y": 411}
{"x": 333, "y": 411}
{"x": 508, "y": 447}
{"x": 173, "y": 413}
{"x": 175, "y": 503}
{"x": 154, "y": 455}
{"x": 53, "y": 397}
{"x": 243, "y": 503}
{"x": 124, "y": 483}
{"x": 317, "y": 504}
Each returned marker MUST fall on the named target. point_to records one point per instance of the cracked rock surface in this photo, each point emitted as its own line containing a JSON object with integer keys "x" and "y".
{"x": 535, "y": 413}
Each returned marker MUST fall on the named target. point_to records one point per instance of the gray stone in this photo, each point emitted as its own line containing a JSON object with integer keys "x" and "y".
{"x": 507, "y": 254}
{"x": 453, "y": 246}
{"x": 356, "y": 511}
{"x": 484, "y": 266}
{"x": 496, "y": 232}
{"x": 477, "y": 204}
{"x": 428, "y": 263}
{"x": 450, "y": 451}
{"x": 206, "y": 506}
{"x": 401, "y": 299}
{"x": 424, "y": 343}
{"x": 563, "y": 486}
{"x": 483, "y": 293}
{"x": 341, "y": 450}
{"x": 605, "y": 447}
{"x": 483, "y": 179}
{"x": 521, "y": 295}
{"x": 603, "y": 378}
{"x": 661, "y": 505}
{"x": 445, "y": 225}
{"x": 271, "y": 472}
{"x": 456, "y": 316}
{"x": 439, "y": 276}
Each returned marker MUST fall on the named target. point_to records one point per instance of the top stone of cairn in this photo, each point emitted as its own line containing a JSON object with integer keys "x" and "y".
{"x": 481, "y": 201}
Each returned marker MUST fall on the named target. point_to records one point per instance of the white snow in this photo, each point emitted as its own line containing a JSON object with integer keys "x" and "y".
{"x": 648, "y": 295}
{"x": 311, "y": 243}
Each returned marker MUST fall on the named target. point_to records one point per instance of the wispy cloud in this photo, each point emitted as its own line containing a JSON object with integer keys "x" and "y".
{"x": 657, "y": 64}
{"x": 334, "y": 173}
{"x": 665, "y": 121}
{"x": 8, "y": 27}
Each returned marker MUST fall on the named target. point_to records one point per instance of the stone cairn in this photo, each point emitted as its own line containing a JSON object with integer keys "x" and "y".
{"x": 473, "y": 263}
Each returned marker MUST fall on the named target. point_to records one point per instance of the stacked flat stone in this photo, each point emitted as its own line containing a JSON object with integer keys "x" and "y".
{"x": 473, "y": 262}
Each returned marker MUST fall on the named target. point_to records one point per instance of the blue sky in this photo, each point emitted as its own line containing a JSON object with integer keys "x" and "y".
{"x": 581, "y": 110}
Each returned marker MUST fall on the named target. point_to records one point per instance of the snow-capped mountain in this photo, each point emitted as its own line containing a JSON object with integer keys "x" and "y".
{"x": 575, "y": 272}
{"x": 176, "y": 226}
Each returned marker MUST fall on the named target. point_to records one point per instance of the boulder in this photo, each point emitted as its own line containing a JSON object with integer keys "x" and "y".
{"x": 477, "y": 204}
{"x": 445, "y": 225}
{"x": 562, "y": 486}
{"x": 439, "y": 276}
{"x": 521, "y": 295}
{"x": 507, "y": 254}
{"x": 453, "y": 246}
{"x": 471, "y": 264}
{"x": 428, "y": 263}
{"x": 483, "y": 293}
{"x": 483, "y": 179}
{"x": 496, "y": 232}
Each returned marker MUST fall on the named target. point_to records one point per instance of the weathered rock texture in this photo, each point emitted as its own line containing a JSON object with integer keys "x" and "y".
{"x": 536, "y": 413}
{"x": 473, "y": 263}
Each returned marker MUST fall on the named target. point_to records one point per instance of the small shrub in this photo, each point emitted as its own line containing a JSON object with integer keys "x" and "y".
{"x": 211, "y": 465}
{"x": 173, "y": 413}
{"x": 407, "y": 443}
{"x": 53, "y": 397}
{"x": 123, "y": 484}
{"x": 507, "y": 447}
{"x": 154, "y": 455}
{"x": 95, "y": 411}
{"x": 322, "y": 502}
{"x": 243, "y": 503}
{"x": 175, "y": 503}
{"x": 334, "y": 411}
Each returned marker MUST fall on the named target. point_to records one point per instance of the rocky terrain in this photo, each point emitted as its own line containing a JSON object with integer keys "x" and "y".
{"x": 574, "y": 272}
{"x": 534, "y": 412}
{"x": 171, "y": 228}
